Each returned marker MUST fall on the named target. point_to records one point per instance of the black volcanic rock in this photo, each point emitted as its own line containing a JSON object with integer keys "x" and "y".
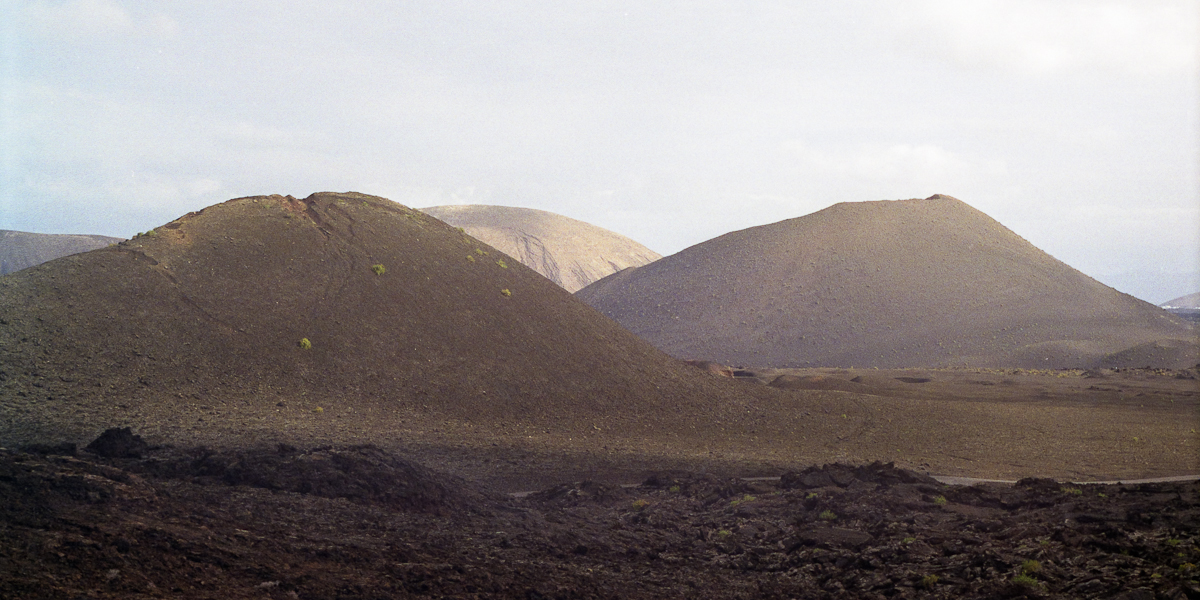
{"x": 906, "y": 283}
{"x": 118, "y": 442}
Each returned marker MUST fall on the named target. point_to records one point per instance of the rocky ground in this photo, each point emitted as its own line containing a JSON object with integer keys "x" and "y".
{"x": 123, "y": 520}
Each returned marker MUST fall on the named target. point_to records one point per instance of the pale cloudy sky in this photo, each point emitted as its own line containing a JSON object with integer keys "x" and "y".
{"x": 1075, "y": 124}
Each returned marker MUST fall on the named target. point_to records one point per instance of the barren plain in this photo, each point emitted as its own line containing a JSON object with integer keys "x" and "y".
{"x": 339, "y": 397}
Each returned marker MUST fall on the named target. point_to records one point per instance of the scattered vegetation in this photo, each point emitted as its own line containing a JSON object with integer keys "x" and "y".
{"x": 908, "y": 540}
{"x": 724, "y": 533}
{"x": 673, "y": 489}
{"x": 1074, "y": 491}
{"x": 470, "y": 258}
{"x": 1026, "y": 581}
{"x": 480, "y": 251}
{"x": 929, "y": 581}
{"x": 827, "y": 515}
{"x": 1031, "y": 567}
{"x": 940, "y": 500}
{"x": 305, "y": 344}
{"x": 379, "y": 269}
{"x": 746, "y": 498}
{"x": 505, "y": 292}
{"x": 318, "y": 410}
{"x": 640, "y": 504}
{"x": 503, "y": 265}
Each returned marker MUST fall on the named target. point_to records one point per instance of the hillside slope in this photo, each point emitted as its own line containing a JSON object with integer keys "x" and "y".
{"x": 21, "y": 250}
{"x": 569, "y": 252}
{"x": 195, "y": 329}
{"x": 905, "y": 283}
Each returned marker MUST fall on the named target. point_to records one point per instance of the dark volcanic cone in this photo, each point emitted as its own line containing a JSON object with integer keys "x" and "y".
{"x": 570, "y": 253}
{"x": 889, "y": 284}
{"x": 266, "y": 314}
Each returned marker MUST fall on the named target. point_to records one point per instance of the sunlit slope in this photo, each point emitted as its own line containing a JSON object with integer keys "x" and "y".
{"x": 569, "y": 252}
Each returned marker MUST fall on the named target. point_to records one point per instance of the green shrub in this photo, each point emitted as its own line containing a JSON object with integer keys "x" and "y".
{"x": 502, "y": 264}
{"x": 1031, "y": 567}
{"x": 929, "y": 581}
{"x": 827, "y": 515}
{"x": 379, "y": 269}
{"x": 940, "y": 500}
{"x": 746, "y": 498}
{"x": 470, "y": 258}
{"x": 640, "y": 504}
{"x": 305, "y": 344}
{"x": 505, "y": 292}
{"x": 1026, "y": 581}
{"x": 1074, "y": 491}
{"x": 673, "y": 489}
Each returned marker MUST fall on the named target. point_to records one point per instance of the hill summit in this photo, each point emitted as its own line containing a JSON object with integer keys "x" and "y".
{"x": 336, "y": 316}
{"x": 907, "y": 283}
{"x": 569, "y": 252}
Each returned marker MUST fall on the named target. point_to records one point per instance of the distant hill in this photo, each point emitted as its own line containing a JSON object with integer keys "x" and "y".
{"x": 568, "y": 252}
{"x": 335, "y": 317}
{"x": 1190, "y": 301}
{"x": 1186, "y": 307}
{"x": 905, "y": 283}
{"x": 21, "y": 250}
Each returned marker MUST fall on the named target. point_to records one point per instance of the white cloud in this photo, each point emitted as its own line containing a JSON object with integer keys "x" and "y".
{"x": 1043, "y": 37}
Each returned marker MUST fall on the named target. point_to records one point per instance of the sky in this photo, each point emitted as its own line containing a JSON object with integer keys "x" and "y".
{"x": 1074, "y": 124}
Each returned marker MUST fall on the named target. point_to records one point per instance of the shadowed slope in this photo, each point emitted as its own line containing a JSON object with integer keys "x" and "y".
{"x": 889, "y": 284}
{"x": 200, "y": 321}
{"x": 21, "y": 250}
{"x": 570, "y": 253}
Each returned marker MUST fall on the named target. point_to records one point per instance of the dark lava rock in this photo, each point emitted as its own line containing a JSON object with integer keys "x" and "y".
{"x": 340, "y": 523}
{"x": 817, "y": 535}
{"x": 844, "y": 475}
{"x": 118, "y": 442}
{"x": 364, "y": 474}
